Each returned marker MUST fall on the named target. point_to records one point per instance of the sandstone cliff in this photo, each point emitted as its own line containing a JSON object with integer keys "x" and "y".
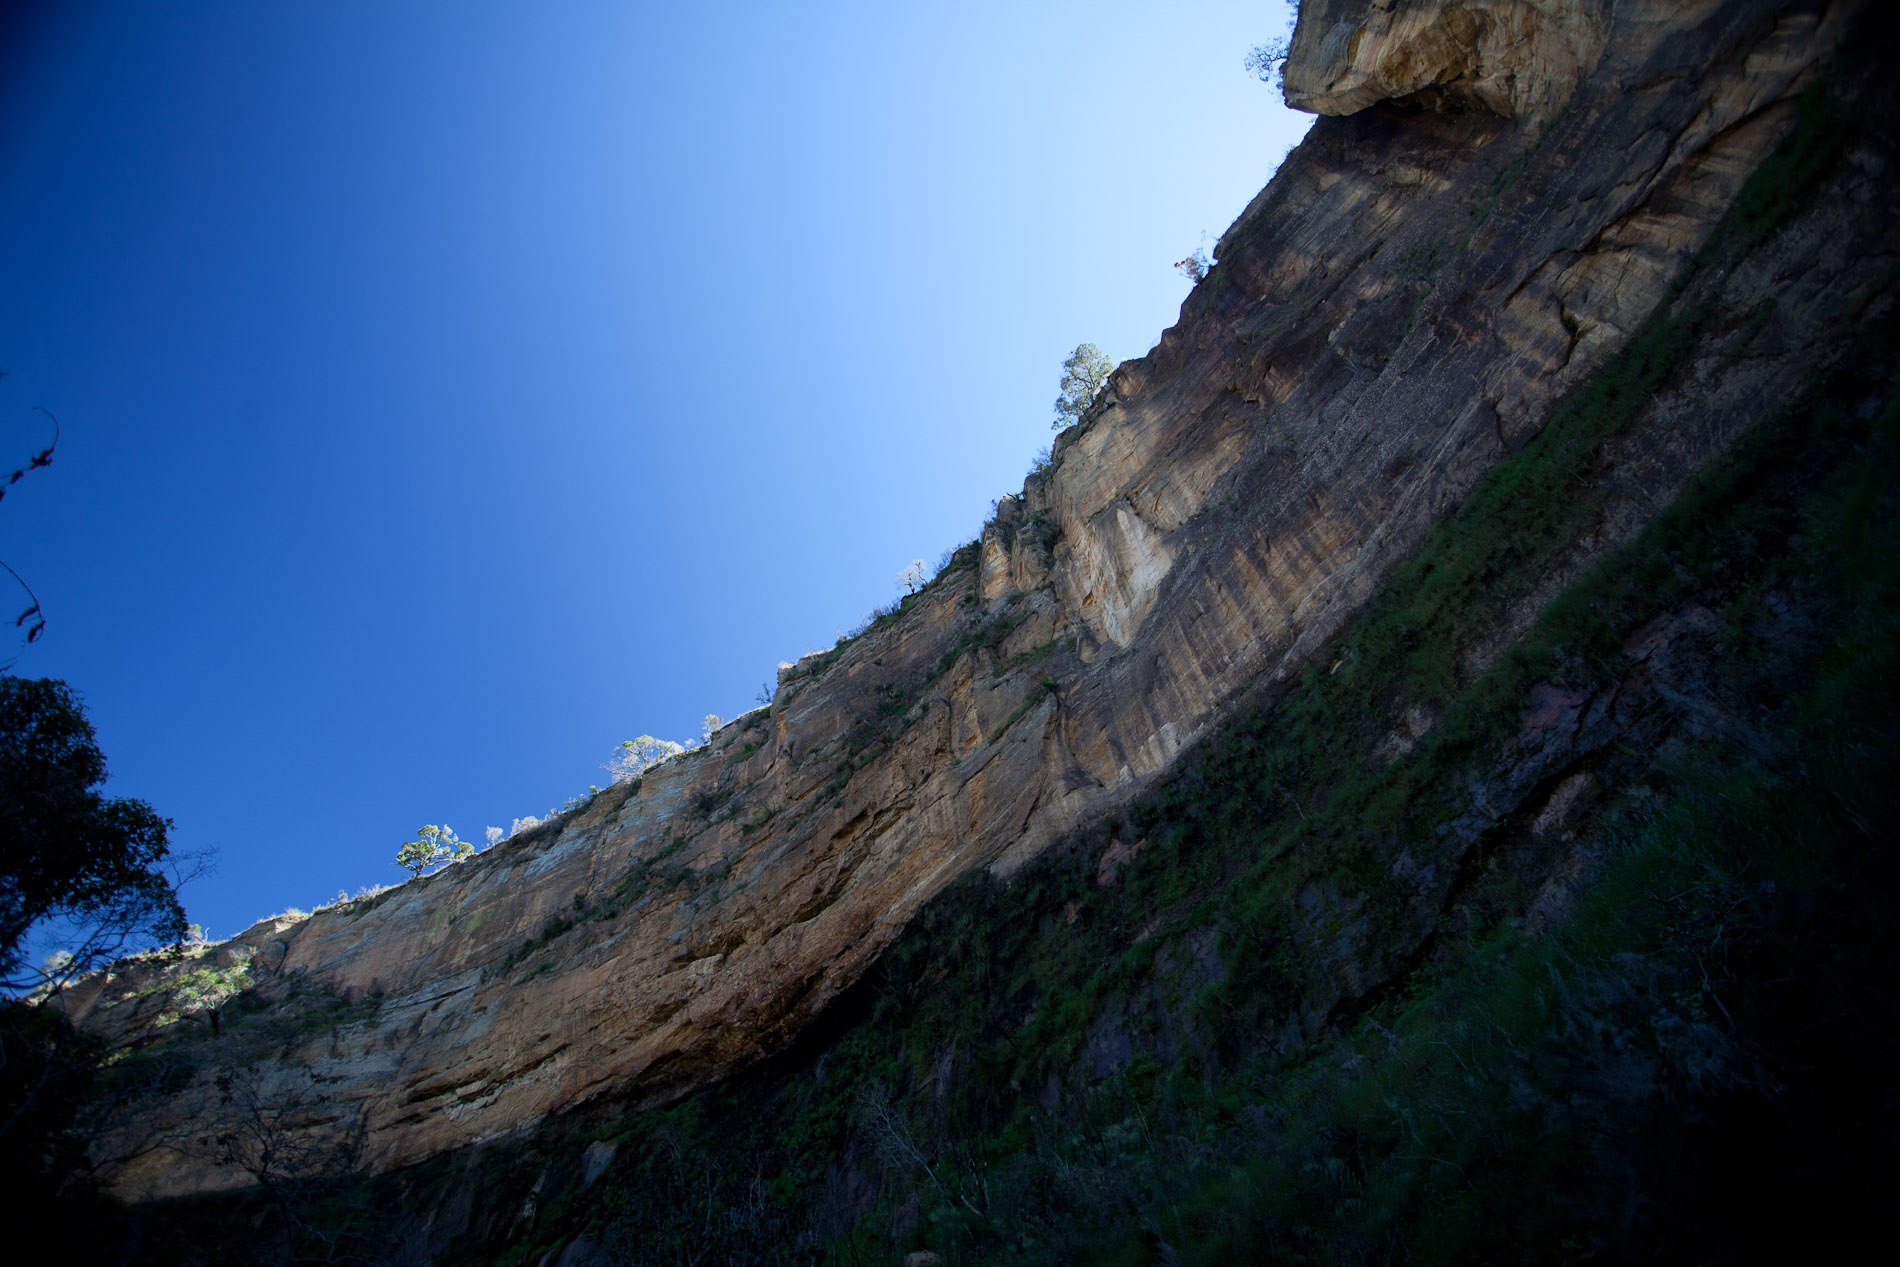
{"x": 1499, "y": 195}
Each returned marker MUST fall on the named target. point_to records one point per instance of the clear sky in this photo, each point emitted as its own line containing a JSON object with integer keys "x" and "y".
{"x": 452, "y": 390}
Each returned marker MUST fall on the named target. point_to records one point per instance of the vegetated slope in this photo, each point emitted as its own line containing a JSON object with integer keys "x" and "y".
{"x": 1122, "y": 1059}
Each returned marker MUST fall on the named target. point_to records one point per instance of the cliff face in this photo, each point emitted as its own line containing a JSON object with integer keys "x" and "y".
{"x": 1515, "y": 58}
{"x": 1500, "y": 194}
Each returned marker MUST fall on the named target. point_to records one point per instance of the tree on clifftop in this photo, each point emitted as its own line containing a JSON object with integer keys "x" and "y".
{"x": 438, "y": 846}
{"x": 638, "y": 755}
{"x": 1083, "y": 376}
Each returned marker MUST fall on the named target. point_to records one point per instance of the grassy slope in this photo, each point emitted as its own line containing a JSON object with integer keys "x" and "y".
{"x": 1602, "y": 1089}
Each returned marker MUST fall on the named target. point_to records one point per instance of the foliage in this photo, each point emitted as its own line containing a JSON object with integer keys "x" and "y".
{"x": 47, "y": 1068}
{"x": 957, "y": 558}
{"x": 1195, "y": 267}
{"x": 41, "y": 459}
{"x": 209, "y": 987}
{"x": 416, "y": 856}
{"x": 434, "y": 847}
{"x": 68, "y": 854}
{"x": 1267, "y": 62}
{"x": 696, "y": 1208}
{"x": 640, "y": 754}
{"x": 88, "y": 866}
{"x": 1509, "y": 1096}
{"x": 1084, "y": 375}
{"x": 31, "y": 619}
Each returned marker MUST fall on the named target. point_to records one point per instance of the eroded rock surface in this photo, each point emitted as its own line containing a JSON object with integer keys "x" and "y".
{"x": 1516, "y": 58}
{"x": 1401, "y": 305}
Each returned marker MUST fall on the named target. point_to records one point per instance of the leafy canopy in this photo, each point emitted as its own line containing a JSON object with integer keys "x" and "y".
{"x": 437, "y": 846}
{"x": 67, "y": 852}
{"x": 640, "y": 754}
{"x": 1083, "y": 376}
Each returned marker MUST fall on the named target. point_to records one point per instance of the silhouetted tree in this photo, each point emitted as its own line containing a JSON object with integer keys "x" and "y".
{"x": 32, "y": 620}
{"x": 69, "y": 854}
{"x": 89, "y": 866}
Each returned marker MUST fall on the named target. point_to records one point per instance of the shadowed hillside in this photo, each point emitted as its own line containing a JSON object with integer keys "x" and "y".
{"x": 1408, "y": 783}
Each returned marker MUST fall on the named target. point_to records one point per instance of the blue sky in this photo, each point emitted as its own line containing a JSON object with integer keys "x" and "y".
{"x": 451, "y": 391}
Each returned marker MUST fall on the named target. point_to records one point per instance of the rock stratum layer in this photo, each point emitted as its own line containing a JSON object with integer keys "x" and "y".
{"x": 1498, "y": 194}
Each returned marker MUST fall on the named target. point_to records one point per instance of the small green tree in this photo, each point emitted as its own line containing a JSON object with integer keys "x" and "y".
{"x": 416, "y": 856}
{"x": 1083, "y": 376}
{"x": 437, "y": 846}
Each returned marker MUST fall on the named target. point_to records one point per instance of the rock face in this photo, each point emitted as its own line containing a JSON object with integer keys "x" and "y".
{"x": 1517, "y": 58}
{"x": 1511, "y": 193}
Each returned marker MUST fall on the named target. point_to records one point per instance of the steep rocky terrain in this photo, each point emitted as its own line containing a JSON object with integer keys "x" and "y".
{"x": 1536, "y": 269}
